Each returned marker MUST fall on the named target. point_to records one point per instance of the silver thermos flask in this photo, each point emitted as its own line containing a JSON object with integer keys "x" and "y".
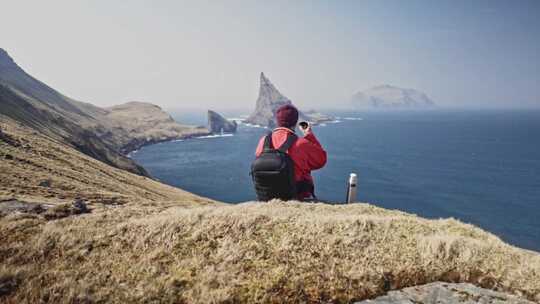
{"x": 352, "y": 188}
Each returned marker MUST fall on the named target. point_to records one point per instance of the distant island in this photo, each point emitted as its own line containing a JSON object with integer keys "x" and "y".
{"x": 269, "y": 100}
{"x": 391, "y": 97}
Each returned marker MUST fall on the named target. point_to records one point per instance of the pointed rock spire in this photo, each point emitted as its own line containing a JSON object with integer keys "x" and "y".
{"x": 265, "y": 81}
{"x": 269, "y": 100}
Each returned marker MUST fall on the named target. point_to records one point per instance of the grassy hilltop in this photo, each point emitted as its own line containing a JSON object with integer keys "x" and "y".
{"x": 147, "y": 242}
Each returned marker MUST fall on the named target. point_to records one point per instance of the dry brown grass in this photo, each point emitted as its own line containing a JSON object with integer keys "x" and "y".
{"x": 161, "y": 244}
{"x": 34, "y": 167}
{"x": 251, "y": 252}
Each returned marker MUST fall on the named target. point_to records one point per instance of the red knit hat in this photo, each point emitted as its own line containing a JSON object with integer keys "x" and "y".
{"x": 287, "y": 116}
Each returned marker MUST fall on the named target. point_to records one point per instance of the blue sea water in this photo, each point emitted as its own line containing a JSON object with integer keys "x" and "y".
{"x": 482, "y": 167}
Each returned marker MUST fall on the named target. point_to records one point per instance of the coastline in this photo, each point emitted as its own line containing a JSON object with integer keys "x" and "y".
{"x": 133, "y": 149}
{"x": 136, "y": 144}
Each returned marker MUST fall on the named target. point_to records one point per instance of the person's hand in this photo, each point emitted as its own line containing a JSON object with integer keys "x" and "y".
{"x": 307, "y": 130}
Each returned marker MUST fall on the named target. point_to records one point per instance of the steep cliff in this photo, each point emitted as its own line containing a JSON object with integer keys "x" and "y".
{"x": 218, "y": 123}
{"x": 56, "y": 123}
{"x": 105, "y": 134}
{"x": 269, "y": 100}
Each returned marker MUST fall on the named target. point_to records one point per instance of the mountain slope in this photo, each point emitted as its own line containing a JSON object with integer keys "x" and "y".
{"x": 105, "y": 134}
{"x": 391, "y": 97}
{"x": 39, "y": 168}
{"x": 56, "y": 124}
{"x": 15, "y": 77}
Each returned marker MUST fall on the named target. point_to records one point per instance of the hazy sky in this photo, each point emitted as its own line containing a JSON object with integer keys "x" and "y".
{"x": 318, "y": 53}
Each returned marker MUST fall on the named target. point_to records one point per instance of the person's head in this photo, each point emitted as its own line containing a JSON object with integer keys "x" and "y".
{"x": 287, "y": 116}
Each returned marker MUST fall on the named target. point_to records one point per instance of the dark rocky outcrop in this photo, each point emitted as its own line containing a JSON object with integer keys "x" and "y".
{"x": 48, "y": 211}
{"x": 218, "y": 124}
{"x": 269, "y": 100}
{"x": 10, "y": 206}
{"x": 65, "y": 210}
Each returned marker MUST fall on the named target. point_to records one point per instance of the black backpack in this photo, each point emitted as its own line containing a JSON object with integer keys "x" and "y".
{"x": 273, "y": 171}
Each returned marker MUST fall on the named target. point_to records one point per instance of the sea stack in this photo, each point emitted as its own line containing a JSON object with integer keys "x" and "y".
{"x": 391, "y": 97}
{"x": 269, "y": 100}
{"x": 219, "y": 124}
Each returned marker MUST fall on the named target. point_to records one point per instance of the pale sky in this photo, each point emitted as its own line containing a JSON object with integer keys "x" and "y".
{"x": 198, "y": 54}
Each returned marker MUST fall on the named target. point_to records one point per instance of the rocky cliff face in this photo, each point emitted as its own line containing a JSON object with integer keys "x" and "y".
{"x": 269, "y": 100}
{"x": 218, "y": 123}
{"x": 390, "y": 97}
{"x": 55, "y": 123}
{"x": 104, "y": 134}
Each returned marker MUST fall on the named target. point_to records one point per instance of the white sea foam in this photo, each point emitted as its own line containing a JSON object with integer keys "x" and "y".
{"x": 237, "y": 119}
{"x": 130, "y": 154}
{"x": 253, "y": 126}
{"x": 353, "y": 118}
{"x": 216, "y": 135}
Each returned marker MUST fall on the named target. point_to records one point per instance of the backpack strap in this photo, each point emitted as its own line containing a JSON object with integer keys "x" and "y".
{"x": 291, "y": 138}
{"x": 268, "y": 145}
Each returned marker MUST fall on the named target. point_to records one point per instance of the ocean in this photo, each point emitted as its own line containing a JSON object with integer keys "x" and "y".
{"x": 481, "y": 167}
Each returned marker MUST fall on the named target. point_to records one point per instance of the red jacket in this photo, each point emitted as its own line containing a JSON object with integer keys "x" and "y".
{"x": 306, "y": 153}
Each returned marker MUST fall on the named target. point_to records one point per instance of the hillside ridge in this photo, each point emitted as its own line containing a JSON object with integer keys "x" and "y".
{"x": 107, "y": 134}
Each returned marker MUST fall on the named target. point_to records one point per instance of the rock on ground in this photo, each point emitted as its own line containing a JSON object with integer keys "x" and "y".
{"x": 445, "y": 293}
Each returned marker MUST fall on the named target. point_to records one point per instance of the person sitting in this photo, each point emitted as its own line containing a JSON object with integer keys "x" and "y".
{"x": 285, "y": 172}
